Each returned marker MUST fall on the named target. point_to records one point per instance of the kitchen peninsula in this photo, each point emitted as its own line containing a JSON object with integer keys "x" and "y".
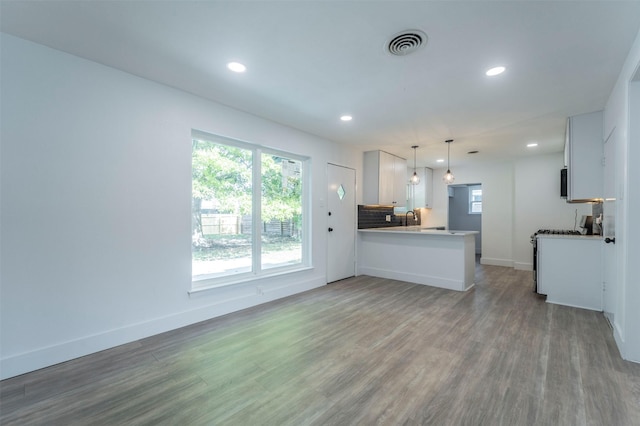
{"x": 443, "y": 259}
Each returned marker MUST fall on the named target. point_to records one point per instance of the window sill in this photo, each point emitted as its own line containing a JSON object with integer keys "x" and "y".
{"x": 240, "y": 280}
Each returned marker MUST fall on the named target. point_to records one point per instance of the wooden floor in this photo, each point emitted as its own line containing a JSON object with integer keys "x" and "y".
{"x": 361, "y": 351}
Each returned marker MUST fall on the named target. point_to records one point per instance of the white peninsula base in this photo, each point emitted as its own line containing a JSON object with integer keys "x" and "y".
{"x": 443, "y": 259}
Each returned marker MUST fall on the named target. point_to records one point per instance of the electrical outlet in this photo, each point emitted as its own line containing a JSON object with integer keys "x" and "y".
{"x": 388, "y": 218}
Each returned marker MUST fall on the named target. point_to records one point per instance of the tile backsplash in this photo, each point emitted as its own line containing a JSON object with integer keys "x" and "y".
{"x": 375, "y": 217}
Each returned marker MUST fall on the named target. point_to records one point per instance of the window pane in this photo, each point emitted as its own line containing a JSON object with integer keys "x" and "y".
{"x": 281, "y": 211}
{"x": 475, "y": 199}
{"x": 221, "y": 209}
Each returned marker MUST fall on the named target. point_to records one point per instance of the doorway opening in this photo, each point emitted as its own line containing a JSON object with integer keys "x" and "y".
{"x": 465, "y": 210}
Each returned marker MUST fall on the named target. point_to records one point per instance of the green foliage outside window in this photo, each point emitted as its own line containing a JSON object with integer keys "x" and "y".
{"x": 224, "y": 173}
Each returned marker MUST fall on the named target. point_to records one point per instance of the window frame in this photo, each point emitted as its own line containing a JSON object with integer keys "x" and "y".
{"x": 472, "y": 200}
{"x": 207, "y": 281}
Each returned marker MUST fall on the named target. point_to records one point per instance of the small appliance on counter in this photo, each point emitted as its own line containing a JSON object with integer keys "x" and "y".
{"x": 586, "y": 223}
{"x": 597, "y": 225}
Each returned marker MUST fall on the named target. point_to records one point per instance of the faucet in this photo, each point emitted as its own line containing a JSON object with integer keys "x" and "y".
{"x": 406, "y": 217}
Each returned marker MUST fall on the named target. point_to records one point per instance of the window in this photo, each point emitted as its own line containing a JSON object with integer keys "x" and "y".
{"x": 248, "y": 215}
{"x": 475, "y": 199}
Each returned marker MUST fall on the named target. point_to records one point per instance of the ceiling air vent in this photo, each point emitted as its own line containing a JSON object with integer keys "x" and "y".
{"x": 406, "y": 42}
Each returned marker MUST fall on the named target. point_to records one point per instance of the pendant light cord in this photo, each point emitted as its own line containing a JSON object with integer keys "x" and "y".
{"x": 415, "y": 180}
{"x": 448, "y": 177}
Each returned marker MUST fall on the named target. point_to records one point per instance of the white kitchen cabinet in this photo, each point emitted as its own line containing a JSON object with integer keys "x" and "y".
{"x": 570, "y": 270}
{"x": 422, "y": 193}
{"x": 583, "y": 156}
{"x": 385, "y": 179}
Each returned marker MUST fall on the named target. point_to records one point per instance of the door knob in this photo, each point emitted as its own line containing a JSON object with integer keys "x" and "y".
{"x": 330, "y": 229}
{"x": 610, "y": 240}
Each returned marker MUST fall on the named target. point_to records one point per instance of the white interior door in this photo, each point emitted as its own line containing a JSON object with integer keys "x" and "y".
{"x": 609, "y": 251}
{"x": 341, "y": 203}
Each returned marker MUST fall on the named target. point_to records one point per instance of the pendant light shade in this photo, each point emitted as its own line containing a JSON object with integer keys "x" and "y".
{"x": 448, "y": 177}
{"x": 415, "y": 179}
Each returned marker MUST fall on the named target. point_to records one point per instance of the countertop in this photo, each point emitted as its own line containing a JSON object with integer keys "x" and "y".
{"x": 417, "y": 230}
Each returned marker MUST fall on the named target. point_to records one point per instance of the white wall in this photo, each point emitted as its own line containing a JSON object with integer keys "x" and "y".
{"x": 619, "y": 116}
{"x": 538, "y": 205}
{"x": 497, "y": 207}
{"x": 632, "y": 276}
{"x": 96, "y": 187}
{"x": 518, "y": 198}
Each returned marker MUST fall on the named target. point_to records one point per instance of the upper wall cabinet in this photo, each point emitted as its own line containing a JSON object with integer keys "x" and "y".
{"x": 421, "y": 195}
{"x": 583, "y": 157}
{"x": 385, "y": 178}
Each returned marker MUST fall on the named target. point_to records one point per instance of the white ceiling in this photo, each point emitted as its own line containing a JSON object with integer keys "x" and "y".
{"x": 311, "y": 61}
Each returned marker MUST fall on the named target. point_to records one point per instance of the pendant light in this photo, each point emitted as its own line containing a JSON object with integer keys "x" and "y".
{"x": 448, "y": 177}
{"x": 415, "y": 179}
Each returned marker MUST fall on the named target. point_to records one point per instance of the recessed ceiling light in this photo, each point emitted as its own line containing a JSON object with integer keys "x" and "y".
{"x": 440, "y": 160}
{"x": 236, "y": 67}
{"x": 531, "y": 145}
{"x": 495, "y": 71}
{"x": 346, "y": 118}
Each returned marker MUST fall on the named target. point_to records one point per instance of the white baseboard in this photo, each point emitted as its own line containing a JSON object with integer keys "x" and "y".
{"x": 496, "y": 262}
{"x": 523, "y": 266}
{"x": 617, "y": 336}
{"x": 620, "y": 343}
{"x": 430, "y": 280}
{"x": 66, "y": 351}
{"x": 573, "y": 305}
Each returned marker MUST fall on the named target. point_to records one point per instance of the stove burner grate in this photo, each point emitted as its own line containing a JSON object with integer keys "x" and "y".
{"x": 558, "y": 232}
